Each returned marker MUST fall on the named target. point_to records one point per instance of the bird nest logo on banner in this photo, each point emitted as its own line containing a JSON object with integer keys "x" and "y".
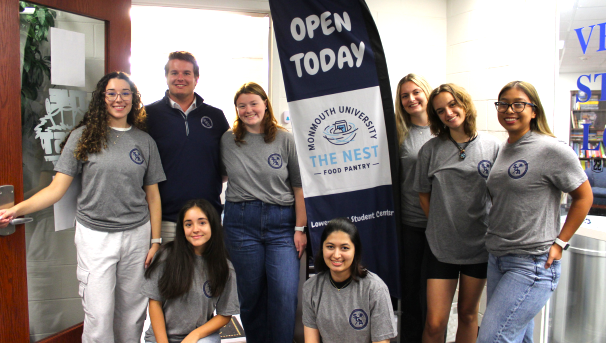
{"x": 339, "y": 96}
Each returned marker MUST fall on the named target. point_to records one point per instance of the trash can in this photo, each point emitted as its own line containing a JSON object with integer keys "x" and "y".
{"x": 578, "y": 306}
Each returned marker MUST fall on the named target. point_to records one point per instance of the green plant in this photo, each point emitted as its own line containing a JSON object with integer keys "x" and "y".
{"x": 35, "y": 65}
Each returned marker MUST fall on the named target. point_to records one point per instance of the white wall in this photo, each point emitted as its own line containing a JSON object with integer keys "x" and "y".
{"x": 413, "y": 34}
{"x": 491, "y": 43}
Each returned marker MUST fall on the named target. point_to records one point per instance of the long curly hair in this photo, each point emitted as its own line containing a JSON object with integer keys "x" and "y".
{"x": 270, "y": 124}
{"x": 96, "y": 119}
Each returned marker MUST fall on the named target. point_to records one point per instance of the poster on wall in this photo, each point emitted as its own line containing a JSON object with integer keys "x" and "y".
{"x": 339, "y": 99}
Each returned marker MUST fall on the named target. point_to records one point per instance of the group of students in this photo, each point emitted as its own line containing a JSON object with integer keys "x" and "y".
{"x": 477, "y": 211}
{"x": 187, "y": 280}
{"x": 470, "y": 206}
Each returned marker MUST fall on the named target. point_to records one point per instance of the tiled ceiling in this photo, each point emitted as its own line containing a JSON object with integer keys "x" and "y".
{"x": 574, "y": 15}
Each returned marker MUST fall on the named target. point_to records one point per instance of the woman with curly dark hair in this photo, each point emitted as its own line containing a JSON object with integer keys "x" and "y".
{"x": 264, "y": 217}
{"x": 118, "y": 208}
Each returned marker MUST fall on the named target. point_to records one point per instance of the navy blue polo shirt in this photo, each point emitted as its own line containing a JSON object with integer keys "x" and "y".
{"x": 190, "y": 154}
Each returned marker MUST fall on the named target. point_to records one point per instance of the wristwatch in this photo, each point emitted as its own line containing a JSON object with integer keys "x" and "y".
{"x": 561, "y": 243}
{"x": 156, "y": 240}
{"x": 300, "y": 228}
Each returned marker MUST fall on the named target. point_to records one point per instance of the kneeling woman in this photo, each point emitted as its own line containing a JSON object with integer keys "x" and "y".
{"x": 190, "y": 279}
{"x": 345, "y": 302}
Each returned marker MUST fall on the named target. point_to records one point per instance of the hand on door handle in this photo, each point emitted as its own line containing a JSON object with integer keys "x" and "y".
{"x": 5, "y": 218}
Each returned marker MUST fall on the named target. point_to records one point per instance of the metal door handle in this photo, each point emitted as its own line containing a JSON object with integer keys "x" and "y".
{"x": 18, "y": 221}
{"x": 7, "y": 200}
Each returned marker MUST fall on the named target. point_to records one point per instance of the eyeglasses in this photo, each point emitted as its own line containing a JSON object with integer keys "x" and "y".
{"x": 517, "y": 107}
{"x": 125, "y": 95}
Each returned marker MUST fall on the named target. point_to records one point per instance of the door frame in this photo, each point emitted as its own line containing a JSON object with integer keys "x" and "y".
{"x": 14, "y": 317}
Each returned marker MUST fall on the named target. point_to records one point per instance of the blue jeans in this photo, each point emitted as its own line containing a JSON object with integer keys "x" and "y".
{"x": 260, "y": 239}
{"x": 518, "y": 287}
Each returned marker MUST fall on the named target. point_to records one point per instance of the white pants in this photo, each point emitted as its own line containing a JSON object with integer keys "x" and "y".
{"x": 168, "y": 231}
{"x": 110, "y": 272}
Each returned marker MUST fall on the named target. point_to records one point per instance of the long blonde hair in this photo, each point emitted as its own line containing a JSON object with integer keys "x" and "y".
{"x": 403, "y": 121}
{"x": 538, "y": 124}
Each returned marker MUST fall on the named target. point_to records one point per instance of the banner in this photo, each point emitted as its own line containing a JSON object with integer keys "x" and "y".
{"x": 339, "y": 98}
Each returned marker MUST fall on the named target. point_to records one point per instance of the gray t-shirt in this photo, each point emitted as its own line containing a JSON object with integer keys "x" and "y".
{"x": 185, "y": 314}
{"x": 359, "y": 313}
{"x": 526, "y": 182}
{"x": 459, "y": 205}
{"x": 412, "y": 213}
{"x": 260, "y": 171}
{"x": 112, "y": 197}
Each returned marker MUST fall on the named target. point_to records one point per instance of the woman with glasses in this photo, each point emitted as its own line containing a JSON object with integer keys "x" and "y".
{"x": 524, "y": 238}
{"x": 118, "y": 208}
{"x": 413, "y": 131}
{"x": 264, "y": 217}
{"x": 450, "y": 177}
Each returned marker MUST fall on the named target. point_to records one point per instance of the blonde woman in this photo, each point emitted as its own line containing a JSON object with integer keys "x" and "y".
{"x": 413, "y": 132}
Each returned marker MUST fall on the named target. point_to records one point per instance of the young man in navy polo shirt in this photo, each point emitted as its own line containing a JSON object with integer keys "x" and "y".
{"x": 187, "y": 132}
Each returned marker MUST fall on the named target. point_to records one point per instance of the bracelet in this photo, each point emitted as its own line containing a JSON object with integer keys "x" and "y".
{"x": 156, "y": 240}
{"x": 300, "y": 228}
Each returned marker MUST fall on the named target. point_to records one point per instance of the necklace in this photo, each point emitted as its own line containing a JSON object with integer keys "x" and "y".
{"x": 347, "y": 282}
{"x": 120, "y": 134}
{"x": 462, "y": 154}
{"x": 118, "y": 137}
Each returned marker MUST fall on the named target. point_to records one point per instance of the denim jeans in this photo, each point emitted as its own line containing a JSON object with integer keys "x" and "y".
{"x": 260, "y": 239}
{"x": 518, "y": 287}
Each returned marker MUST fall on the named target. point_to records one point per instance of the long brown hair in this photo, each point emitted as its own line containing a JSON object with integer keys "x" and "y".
{"x": 403, "y": 121}
{"x": 463, "y": 99}
{"x": 180, "y": 258}
{"x": 96, "y": 119}
{"x": 538, "y": 124}
{"x": 270, "y": 124}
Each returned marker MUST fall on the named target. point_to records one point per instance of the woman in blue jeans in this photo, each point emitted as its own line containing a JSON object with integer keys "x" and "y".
{"x": 524, "y": 238}
{"x": 264, "y": 217}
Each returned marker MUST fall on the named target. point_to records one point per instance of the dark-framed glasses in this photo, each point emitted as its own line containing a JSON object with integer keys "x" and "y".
{"x": 112, "y": 96}
{"x": 517, "y": 107}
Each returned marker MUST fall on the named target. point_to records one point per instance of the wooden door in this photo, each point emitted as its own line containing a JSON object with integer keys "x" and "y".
{"x": 14, "y": 319}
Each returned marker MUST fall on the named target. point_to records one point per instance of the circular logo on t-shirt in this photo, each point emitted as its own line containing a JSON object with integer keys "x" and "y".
{"x": 484, "y": 168}
{"x": 518, "y": 169}
{"x": 206, "y": 289}
{"x": 358, "y": 319}
{"x": 136, "y": 156}
{"x": 275, "y": 161}
{"x": 207, "y": 122}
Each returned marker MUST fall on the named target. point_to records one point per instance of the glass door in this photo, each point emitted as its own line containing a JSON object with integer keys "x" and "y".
{"x": 39, "y": 299}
